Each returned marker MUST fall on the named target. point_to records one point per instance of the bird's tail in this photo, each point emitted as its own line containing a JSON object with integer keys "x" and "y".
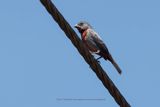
{"x": 109, "y": 57}
{"x": 116, "y": 66}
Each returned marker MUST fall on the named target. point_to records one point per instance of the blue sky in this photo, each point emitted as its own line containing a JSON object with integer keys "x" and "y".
{"x": 38, "y": 63}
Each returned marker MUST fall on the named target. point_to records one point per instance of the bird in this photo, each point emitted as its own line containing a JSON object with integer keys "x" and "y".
{"x": 94, "y": 43}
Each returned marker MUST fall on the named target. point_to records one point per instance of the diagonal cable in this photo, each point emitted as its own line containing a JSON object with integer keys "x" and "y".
{"x": 76, "y": 41}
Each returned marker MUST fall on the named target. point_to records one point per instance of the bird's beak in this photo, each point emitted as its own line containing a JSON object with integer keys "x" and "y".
{"x": 77, "y": 26}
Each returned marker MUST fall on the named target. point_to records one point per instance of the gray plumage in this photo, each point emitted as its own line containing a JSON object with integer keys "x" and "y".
{"x": 94, "y": 43}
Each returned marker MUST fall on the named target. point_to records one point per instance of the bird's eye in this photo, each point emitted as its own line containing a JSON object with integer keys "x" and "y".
{"x": 80, "y": 24}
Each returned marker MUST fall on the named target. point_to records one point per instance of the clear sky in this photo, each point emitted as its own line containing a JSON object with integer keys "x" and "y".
{"x": 39, "y": 66}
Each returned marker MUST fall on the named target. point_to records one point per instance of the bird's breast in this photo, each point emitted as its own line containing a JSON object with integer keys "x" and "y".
{"x": 84, "y": 34}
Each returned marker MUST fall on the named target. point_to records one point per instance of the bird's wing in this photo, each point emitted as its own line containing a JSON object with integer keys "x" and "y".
{"x": 98, "y": 41}
{"x": 103, "y": 49}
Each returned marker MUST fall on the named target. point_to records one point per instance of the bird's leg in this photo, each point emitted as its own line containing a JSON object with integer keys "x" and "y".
{"x": 98, "y": 59}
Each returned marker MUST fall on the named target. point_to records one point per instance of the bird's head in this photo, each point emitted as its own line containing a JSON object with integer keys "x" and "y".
{"x": 82, "y": 26}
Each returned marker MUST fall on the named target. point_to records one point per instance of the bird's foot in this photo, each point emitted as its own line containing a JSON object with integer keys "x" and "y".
{"x": 99, "y": 62}
{"x": 98, "y": 59}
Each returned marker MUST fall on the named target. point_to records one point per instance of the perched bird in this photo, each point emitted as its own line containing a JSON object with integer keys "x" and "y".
{"x": 94, "y": 43}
